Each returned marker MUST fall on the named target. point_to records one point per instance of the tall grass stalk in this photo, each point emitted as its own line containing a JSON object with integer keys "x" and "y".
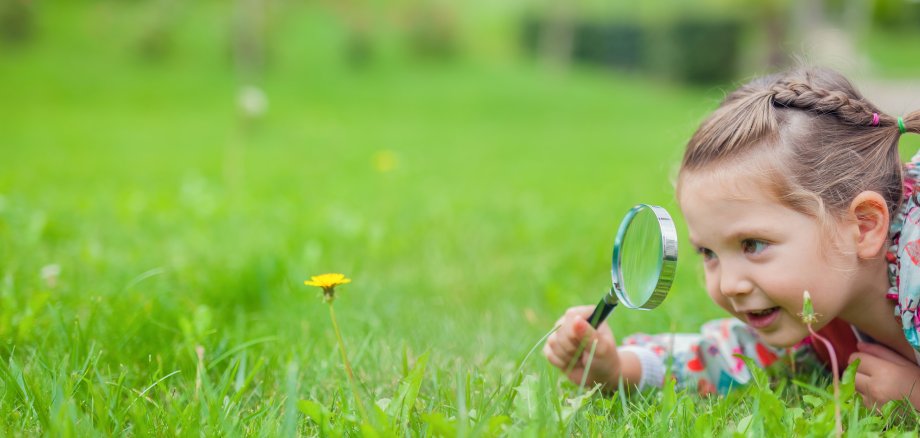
{"x": 348, "y": 371}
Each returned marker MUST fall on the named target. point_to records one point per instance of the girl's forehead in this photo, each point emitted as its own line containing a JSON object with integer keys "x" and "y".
{"x": 756, "y": 172}
{"x": 722, "y": 205}
{"x": 729, "y": 182}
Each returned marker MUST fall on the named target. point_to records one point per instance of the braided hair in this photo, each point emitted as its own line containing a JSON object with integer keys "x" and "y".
{"x": 817, "y": 138}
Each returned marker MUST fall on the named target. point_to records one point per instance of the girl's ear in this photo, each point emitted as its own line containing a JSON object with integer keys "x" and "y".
{"x": 871, "y": 214}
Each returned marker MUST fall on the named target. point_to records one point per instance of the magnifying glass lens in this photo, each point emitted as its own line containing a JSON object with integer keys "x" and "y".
{"x": 641, "y": 265}
{"x": 642, "y": 275}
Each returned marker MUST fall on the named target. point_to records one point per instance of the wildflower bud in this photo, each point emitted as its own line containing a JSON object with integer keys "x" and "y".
{"x": 252, "y": 101}
{"x": 50, "y": 274}
{"x": 808, "y": 310}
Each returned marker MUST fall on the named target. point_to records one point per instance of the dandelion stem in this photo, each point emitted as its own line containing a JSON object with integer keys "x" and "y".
{"x": 809, "y": 317}
{"x": 351, "y": 376}
{"x": 838, "y": 424}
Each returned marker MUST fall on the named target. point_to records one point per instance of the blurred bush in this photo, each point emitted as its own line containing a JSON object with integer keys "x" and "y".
{"x": 17, "y": 22}
{"x": 691, "y": 41}
{"x": 896, "y": 14}
{"x": 617, "y": 44}
{"x": 706, "y": 51}
{"x": 696, "y": 49}
{"x": 432, "y": 31}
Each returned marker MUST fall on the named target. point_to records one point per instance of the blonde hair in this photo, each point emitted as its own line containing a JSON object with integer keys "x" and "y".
{"x": 818, "y": 135}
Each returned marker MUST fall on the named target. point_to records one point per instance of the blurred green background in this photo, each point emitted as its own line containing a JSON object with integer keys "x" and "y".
{"x": 171, "y": 172}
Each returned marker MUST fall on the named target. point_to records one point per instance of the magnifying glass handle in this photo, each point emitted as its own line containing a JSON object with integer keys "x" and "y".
{"x": 600, "y": 312}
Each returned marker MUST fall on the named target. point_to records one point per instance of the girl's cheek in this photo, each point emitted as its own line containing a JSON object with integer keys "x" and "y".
{"x": 712, "y": 288}
{"x": 722, "y": 302}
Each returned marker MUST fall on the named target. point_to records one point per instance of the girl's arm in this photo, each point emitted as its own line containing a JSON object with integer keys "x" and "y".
{"x": 707, "y": 362}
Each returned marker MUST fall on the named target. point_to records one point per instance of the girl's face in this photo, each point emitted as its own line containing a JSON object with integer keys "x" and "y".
{"x": 759, "y": 256}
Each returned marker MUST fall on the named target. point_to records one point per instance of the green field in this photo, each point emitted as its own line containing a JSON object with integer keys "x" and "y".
{"x": 470, "y": 203}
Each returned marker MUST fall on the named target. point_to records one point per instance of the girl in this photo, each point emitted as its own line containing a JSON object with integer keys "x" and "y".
{"x": 792, "y": 184}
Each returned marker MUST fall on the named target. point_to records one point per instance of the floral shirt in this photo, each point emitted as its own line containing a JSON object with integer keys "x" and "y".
{"x": 708, "y": 361}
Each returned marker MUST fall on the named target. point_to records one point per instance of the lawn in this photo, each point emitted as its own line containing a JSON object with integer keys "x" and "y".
{"x": 154, "y": 243}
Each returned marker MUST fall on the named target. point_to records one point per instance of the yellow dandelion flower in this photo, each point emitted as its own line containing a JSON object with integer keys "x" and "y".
{"x": 328, "y": 282}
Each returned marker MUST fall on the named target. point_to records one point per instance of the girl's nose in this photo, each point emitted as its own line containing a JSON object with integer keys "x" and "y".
{"x": 733, "y": 282}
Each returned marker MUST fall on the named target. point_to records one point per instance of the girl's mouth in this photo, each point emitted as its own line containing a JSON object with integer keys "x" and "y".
{"x": 762, "y": 318}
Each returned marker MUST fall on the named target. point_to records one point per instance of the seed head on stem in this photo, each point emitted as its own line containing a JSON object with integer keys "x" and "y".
{"x": 809, "y": 317}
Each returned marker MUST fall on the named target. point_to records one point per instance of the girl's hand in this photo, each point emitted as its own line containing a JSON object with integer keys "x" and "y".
{"x": 575, "y": 332}
{"x": 884, "y": 375}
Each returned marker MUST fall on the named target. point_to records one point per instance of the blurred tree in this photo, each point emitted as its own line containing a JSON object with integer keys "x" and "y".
{"x": 432, "y": 30}
{"x": 17, "y": 21}
{"x": 707, "y": 49}
{"x": 857, "y": 16}
{"x": 355, "y": 14}
{"x": 556, "y": 39}
{"x": 249, "y": 46}
{"x": 249, "y": 40}
{"x": 775, "y": 24}
{"x": 155, "y": 41}
{"x": 829, "y": 31}
{"x": 896, "y": 14}
{"x": 618, "y": 44}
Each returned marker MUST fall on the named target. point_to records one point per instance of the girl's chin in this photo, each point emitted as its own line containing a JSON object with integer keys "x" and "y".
{"x": 782, "y": 338}
{"x": 781, "y": 342}
{"x": 781, "y": 332}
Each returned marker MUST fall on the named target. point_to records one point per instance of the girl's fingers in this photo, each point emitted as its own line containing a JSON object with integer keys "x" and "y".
{"x": 579, "y": 312}
{"x": 585, "y": 312}
{"x": 559, "y": 322}
{"x": 552, "y": 344}
{"x": 868, "y": 364}
{"x": 883, "y": 352}
{"x": 575, "y": 375}
{"x": 584, "y": 333}
{"x": 576, "y": 313}
{"x": 586, "y": 354}
{"x": 582, "y": 311}
{"x": 605, "y": 344}
{"x": 562, "y": 345}
{"x": 572, "y": 329}
{"x": 603, "y": 335}
{"x": 862, "y": 383}
{"x": 566, "y": 343}
{"x": 553, "y": 358}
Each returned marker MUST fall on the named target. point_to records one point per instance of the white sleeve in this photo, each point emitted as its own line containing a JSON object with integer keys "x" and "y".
{"x": 653, "y": 369}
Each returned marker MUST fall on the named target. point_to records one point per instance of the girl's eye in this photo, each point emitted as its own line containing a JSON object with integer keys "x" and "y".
{"x": 706, "y": 253}
{"x": 753, "y": 246}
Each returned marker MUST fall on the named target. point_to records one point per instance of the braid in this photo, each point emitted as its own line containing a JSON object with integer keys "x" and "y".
{"x": 805, "y": 97}
{"x": 813, "y": 136}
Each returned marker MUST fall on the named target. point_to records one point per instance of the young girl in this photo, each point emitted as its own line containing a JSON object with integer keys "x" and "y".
{"x": 794, "y": 183}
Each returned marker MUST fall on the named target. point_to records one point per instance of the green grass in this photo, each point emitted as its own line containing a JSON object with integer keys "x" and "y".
{"x": 178, "y": 229}
{"x": 895, "y": 54}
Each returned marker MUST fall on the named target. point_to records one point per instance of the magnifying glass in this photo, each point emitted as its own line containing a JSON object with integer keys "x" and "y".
{"x": 643, "y": 264}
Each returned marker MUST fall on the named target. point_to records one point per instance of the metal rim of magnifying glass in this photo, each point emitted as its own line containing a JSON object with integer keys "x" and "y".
{"x": 667, "y": 263}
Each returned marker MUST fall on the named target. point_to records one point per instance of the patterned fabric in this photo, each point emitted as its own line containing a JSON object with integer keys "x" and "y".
{"x": 707, "y": 361}
{"x": 904, "y": 257}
